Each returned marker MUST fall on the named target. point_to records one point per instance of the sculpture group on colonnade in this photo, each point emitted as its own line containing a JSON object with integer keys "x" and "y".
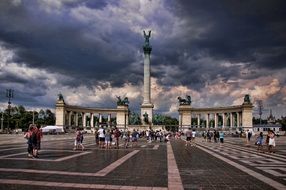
{"x": 186, "y": 101}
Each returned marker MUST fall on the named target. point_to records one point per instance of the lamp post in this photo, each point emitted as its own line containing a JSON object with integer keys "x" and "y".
{"x": 2, "y": 119}
{"x": 9, "y": 95}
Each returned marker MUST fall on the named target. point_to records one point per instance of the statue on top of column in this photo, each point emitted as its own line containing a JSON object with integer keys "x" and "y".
{"x": 186, "y": 101}
{"x": 247, "y": 99}
{"x": 60, "y": 97}
{"x": 146, "y": 44}
{"x": 121, "y": 102}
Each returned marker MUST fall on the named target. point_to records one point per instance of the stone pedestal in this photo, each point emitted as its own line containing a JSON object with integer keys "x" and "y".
{"x": 185, "y": 120}
{"x": 60, "y": 113}
{"x": 247, "y": 115}
{"x": 122, "y": 117}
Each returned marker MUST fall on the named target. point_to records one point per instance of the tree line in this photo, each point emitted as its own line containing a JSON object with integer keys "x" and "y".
{"x": 20, "y": 118}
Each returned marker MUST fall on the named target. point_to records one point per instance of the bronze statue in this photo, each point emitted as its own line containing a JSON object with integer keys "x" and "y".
{"x": 123, "y": 102}
{"x": 186, "y": 101}
{"x": 147, "y": 37}
{"x": 60, "y": 96}
{"x": 145, "y": 115}
{"x": 247, "y": 99}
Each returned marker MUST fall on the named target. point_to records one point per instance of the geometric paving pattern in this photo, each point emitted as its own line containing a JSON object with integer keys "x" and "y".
{"x": 155, "y": 165}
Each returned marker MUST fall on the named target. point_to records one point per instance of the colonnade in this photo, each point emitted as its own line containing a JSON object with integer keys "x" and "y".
{"x": 217, "y": 117}
{"x": 211, "y": 120}
{"x": 72, "y": 119}
{"x": 67, "y": 115}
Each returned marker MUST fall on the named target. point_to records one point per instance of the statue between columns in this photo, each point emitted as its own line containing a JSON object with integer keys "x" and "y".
{"x": 123, "y": 102}
{"x": 186, "y": 101}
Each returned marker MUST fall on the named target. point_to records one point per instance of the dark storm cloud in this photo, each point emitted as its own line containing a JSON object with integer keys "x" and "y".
{"x": 239, "y": 28}
{"x": 232, "y": 31}
{"x": 57, "y": 44}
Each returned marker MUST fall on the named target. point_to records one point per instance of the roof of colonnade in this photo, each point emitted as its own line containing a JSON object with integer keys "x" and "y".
{"x": 227, "y": 109}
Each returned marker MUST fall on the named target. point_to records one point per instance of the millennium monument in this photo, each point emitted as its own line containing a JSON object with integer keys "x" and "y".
{"x": 147, "y": 106}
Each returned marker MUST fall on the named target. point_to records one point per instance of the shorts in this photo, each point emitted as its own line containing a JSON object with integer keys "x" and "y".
{"x": 221, "y": 140}
{"x": 188, "y": 139}
{"x": 77, "y": 142}
{"x": 101, "y": 139}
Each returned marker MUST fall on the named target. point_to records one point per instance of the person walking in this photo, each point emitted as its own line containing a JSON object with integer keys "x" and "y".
{"x": 221, "y": 138}
{"x": 259, "y": 142}
{"x": 117, "y": 134}
{"x": 188, "y": 137}
{"x": 271, "y": 142}
{"x": 193, "y": 139}
{"x": 134, "y": 138}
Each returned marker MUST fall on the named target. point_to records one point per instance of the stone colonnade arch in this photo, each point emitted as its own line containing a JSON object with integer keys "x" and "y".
{"x": 68, "y": 115}
{"x": 231, "y": 117}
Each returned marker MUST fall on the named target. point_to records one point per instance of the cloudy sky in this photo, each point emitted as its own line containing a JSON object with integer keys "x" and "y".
{"x": 91, "y": 51}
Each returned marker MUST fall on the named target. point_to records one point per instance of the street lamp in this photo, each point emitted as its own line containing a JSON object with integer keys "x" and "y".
{"x": 2, "y": 119}
{"x": 9, "y": 95}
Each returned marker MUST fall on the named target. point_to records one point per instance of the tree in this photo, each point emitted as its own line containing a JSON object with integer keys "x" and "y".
{"x": 134, "y": 119}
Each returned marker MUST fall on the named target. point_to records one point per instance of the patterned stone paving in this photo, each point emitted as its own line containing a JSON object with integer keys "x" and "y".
{"x": 147, "y": 166}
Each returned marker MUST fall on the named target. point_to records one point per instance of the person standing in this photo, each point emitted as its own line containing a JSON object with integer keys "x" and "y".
{"x": 193, "y": 139}
{"x": 78, "y": 140}
{"x": 28, "y": 136}
{"x": 188, "y": 137}
{"x": 117, "y": 134}
{"x": 101, "y": 135}
{"x": 39, "y": 135}
{"x": 107, "y": 139}
{"x": 271, "y": 142}
{"x": 259, "y": 142}
{"x": 221, "y": 138}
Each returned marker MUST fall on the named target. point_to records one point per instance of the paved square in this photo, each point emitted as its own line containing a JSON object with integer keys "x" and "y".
{"x": 147, "y": 166}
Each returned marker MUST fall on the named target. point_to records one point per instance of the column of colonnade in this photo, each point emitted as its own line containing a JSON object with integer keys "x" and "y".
{"x": 228, "y": 119}
{"x": 72, "y": 119}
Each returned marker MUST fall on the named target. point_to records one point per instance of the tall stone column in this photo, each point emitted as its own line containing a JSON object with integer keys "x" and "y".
{"x": 237, "y": 119}
{"x": 199, "y": 120}
{"x": 207, "y": 120}
{"x": 147, "y": 106}
{"x": 215, "y": 120}
{"x": 70, "y": 115}
{"x": 76, "y": 119}
{"x": 100, "y": 119}
{"x": 223, "y": 120}
{"x": 84, "y": 120}
{"x": 91, "y": 120}
{"x": 231, "y": 119}
{"x": 109, "y": 119}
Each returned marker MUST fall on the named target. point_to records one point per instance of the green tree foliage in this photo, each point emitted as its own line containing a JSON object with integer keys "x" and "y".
{"x": 134, "y": 119}
{"x": 21, "y": 118}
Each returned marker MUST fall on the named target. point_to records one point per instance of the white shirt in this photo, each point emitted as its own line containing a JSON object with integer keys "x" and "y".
{"x": 193, "y": 133}
{"x": 101, "y": 133}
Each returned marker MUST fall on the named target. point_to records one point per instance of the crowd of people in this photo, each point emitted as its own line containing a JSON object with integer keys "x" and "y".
{"x": 109, "y": 138}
